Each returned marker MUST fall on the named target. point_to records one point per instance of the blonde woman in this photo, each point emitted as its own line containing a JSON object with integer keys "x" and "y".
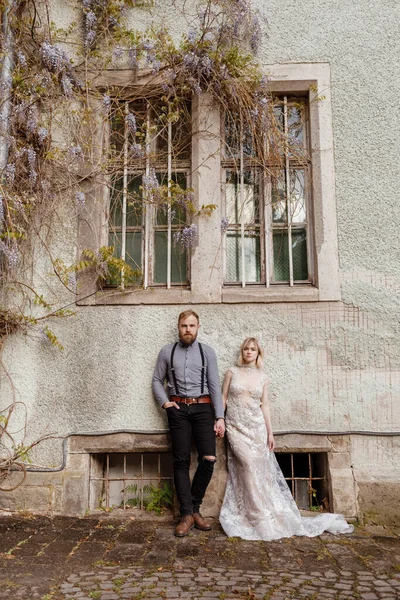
{"x": 258, "y": 504}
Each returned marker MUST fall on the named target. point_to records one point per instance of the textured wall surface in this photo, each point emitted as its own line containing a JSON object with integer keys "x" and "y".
{"x": 332, "y": 366}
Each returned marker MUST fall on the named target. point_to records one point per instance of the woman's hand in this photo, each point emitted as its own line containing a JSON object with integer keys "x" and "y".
{"x": 271, "y": 442}
{"x": 219, "y": 428}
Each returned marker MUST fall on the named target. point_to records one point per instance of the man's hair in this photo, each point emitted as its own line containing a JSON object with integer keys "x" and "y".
{"x": 259, "y": 359}
{"x": 188, "y": 313}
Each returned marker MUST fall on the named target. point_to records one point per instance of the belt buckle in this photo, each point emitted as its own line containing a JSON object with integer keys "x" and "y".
{"x": 191, "y": 400}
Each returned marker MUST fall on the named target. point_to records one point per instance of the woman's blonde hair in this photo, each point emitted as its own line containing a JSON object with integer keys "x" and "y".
{"x": 259, "y": 359}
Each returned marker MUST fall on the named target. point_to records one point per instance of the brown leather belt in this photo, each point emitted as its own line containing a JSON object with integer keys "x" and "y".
{"x": 201, "y": 400}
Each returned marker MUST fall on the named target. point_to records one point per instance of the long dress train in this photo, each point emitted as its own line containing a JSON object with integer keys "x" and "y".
{"x": 258, "y": 504}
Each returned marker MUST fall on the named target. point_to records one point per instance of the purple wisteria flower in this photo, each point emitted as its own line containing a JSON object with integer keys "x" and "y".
{"x": 10, "y": 249}
{"x": 132, "y": 53}
{"x": 137, "y": 150}
{"x": 118, "y": 52}
{"x": 106, "y": 102}
{"x": 192, "y": 35}
{"x": 1, "y": 212}
{"x": 10, "y": 173}
{"x": 130, "y": 121}
{"x": 150, "y": 181}
{"x": 54, "y": 58}
{"x": 72, "y": 281}
{"x": 80, "y": 200}
{"x": 90, "y": 37}
{"x": 31, "y": 123}
{"x": 91, "y": 20}
{"x": 31, "y": 154}
{"x": 188, "y": 237}
{"x": 76, "y": 151}
{"x": 18, "y": 204}
{"x": 42, "y": 134}
{"x": 224, "y": 224}
{"x": 22, "y": 59}
{"x": 66, "y": 85}
{"x": 148, "y": 44}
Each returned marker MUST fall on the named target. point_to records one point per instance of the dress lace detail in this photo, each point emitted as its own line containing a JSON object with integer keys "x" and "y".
{"x": 258, "y": 504}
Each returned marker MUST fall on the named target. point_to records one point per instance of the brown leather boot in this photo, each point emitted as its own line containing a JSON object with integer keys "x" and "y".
{"x": 201, "y": 523}
{"x": 184, "y": 526}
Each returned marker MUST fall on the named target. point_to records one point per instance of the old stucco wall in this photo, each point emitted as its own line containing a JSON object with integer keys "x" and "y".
{"x": 332, "y": 366}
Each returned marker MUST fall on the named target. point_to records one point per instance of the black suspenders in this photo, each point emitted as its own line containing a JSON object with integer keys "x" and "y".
{"x": 203, "y": 368}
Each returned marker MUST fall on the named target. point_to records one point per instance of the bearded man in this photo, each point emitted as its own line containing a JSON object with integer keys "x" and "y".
{"x": 194, "y": 409}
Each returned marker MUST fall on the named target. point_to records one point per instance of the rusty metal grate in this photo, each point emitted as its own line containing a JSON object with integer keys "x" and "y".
{"x": 306, "y": 476}
{"x": 128, "y": 480}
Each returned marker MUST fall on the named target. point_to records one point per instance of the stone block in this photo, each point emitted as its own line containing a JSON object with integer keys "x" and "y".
{"x": 75, "y": 495}
{"x": 119, "y": 442}
{"x": 343, "y": 492}
{"x": 302, "y": 443}
{"x": 339, "y": 460}
{"x": 78, "y": 463}
{"x": 27, "y": 497}
{"x": 378, "y": 502}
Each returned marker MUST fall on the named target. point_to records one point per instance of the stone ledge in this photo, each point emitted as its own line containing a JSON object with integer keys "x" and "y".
{"x": 119, "y": 443}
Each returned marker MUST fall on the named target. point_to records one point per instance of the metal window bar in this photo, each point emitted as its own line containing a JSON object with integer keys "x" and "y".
{"x": 169, "y": 240}
{"x": 309, "y": 479}
{"x": 242, "y": 249}
{"x": 124, "y": 195}
{"x": 107, "y": 479}
{"x": 146, "y": 207}
{"x": 287, "y": 184}
{"x": 266, "y": 223}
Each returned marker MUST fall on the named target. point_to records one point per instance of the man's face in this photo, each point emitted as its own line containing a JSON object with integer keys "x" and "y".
{"x": 188, "y": 329}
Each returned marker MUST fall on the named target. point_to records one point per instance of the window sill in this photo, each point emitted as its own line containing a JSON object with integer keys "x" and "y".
{"x": 134, "y": 296}
{"x": 228, "y": 295}
{"x": 304, "y": 293}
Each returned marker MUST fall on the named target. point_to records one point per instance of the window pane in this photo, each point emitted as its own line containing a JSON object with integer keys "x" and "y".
{"x": 237, "y": 136}
{"x": 178, "y": 260}
{"x": 252, "y": 257}
{"x": 279, "y": 214}
{"x": 233, "y": 257}
{"x": 281, "y": 256}
{"x": 178, "y": 210}
{"x": 299, "y": 248}
{"x": 295, "y": 124}
{"x": 299, "y": 255}
{"x": 134, "y": 205}
{"x": 180, "y": 132}
{"x": 133, "y": 249}
{"x": 297, "y": 196}
{"x": 249, "y": 211}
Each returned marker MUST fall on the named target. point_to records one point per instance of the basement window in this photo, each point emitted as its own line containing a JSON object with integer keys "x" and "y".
{"x": 134, "y": 480}
{"x": 306, "y": 476}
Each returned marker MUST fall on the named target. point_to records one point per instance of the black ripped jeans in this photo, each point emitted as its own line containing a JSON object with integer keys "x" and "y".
{"x": 188, "y": 420}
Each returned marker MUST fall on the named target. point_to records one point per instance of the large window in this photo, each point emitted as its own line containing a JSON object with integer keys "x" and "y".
{"x": 267, "y": 206}
{"x": 277, "y": 205}
{"x": 150, "y": 153}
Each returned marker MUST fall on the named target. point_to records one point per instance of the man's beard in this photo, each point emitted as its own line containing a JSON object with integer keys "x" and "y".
{"x": 188, "y": 339}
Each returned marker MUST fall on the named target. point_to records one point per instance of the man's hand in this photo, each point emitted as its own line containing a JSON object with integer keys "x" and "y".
{"x": 219, "y": 427}
{"x": 169, "y": 404}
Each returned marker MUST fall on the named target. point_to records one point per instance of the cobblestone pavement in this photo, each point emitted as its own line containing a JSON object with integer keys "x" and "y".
{"x": 131, "y": 559}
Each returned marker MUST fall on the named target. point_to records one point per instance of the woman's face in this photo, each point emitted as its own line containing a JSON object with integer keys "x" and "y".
{"x": 250, "y": 353}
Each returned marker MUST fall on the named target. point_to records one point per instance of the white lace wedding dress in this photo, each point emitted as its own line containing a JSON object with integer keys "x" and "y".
{"x": 258, "y": 504}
